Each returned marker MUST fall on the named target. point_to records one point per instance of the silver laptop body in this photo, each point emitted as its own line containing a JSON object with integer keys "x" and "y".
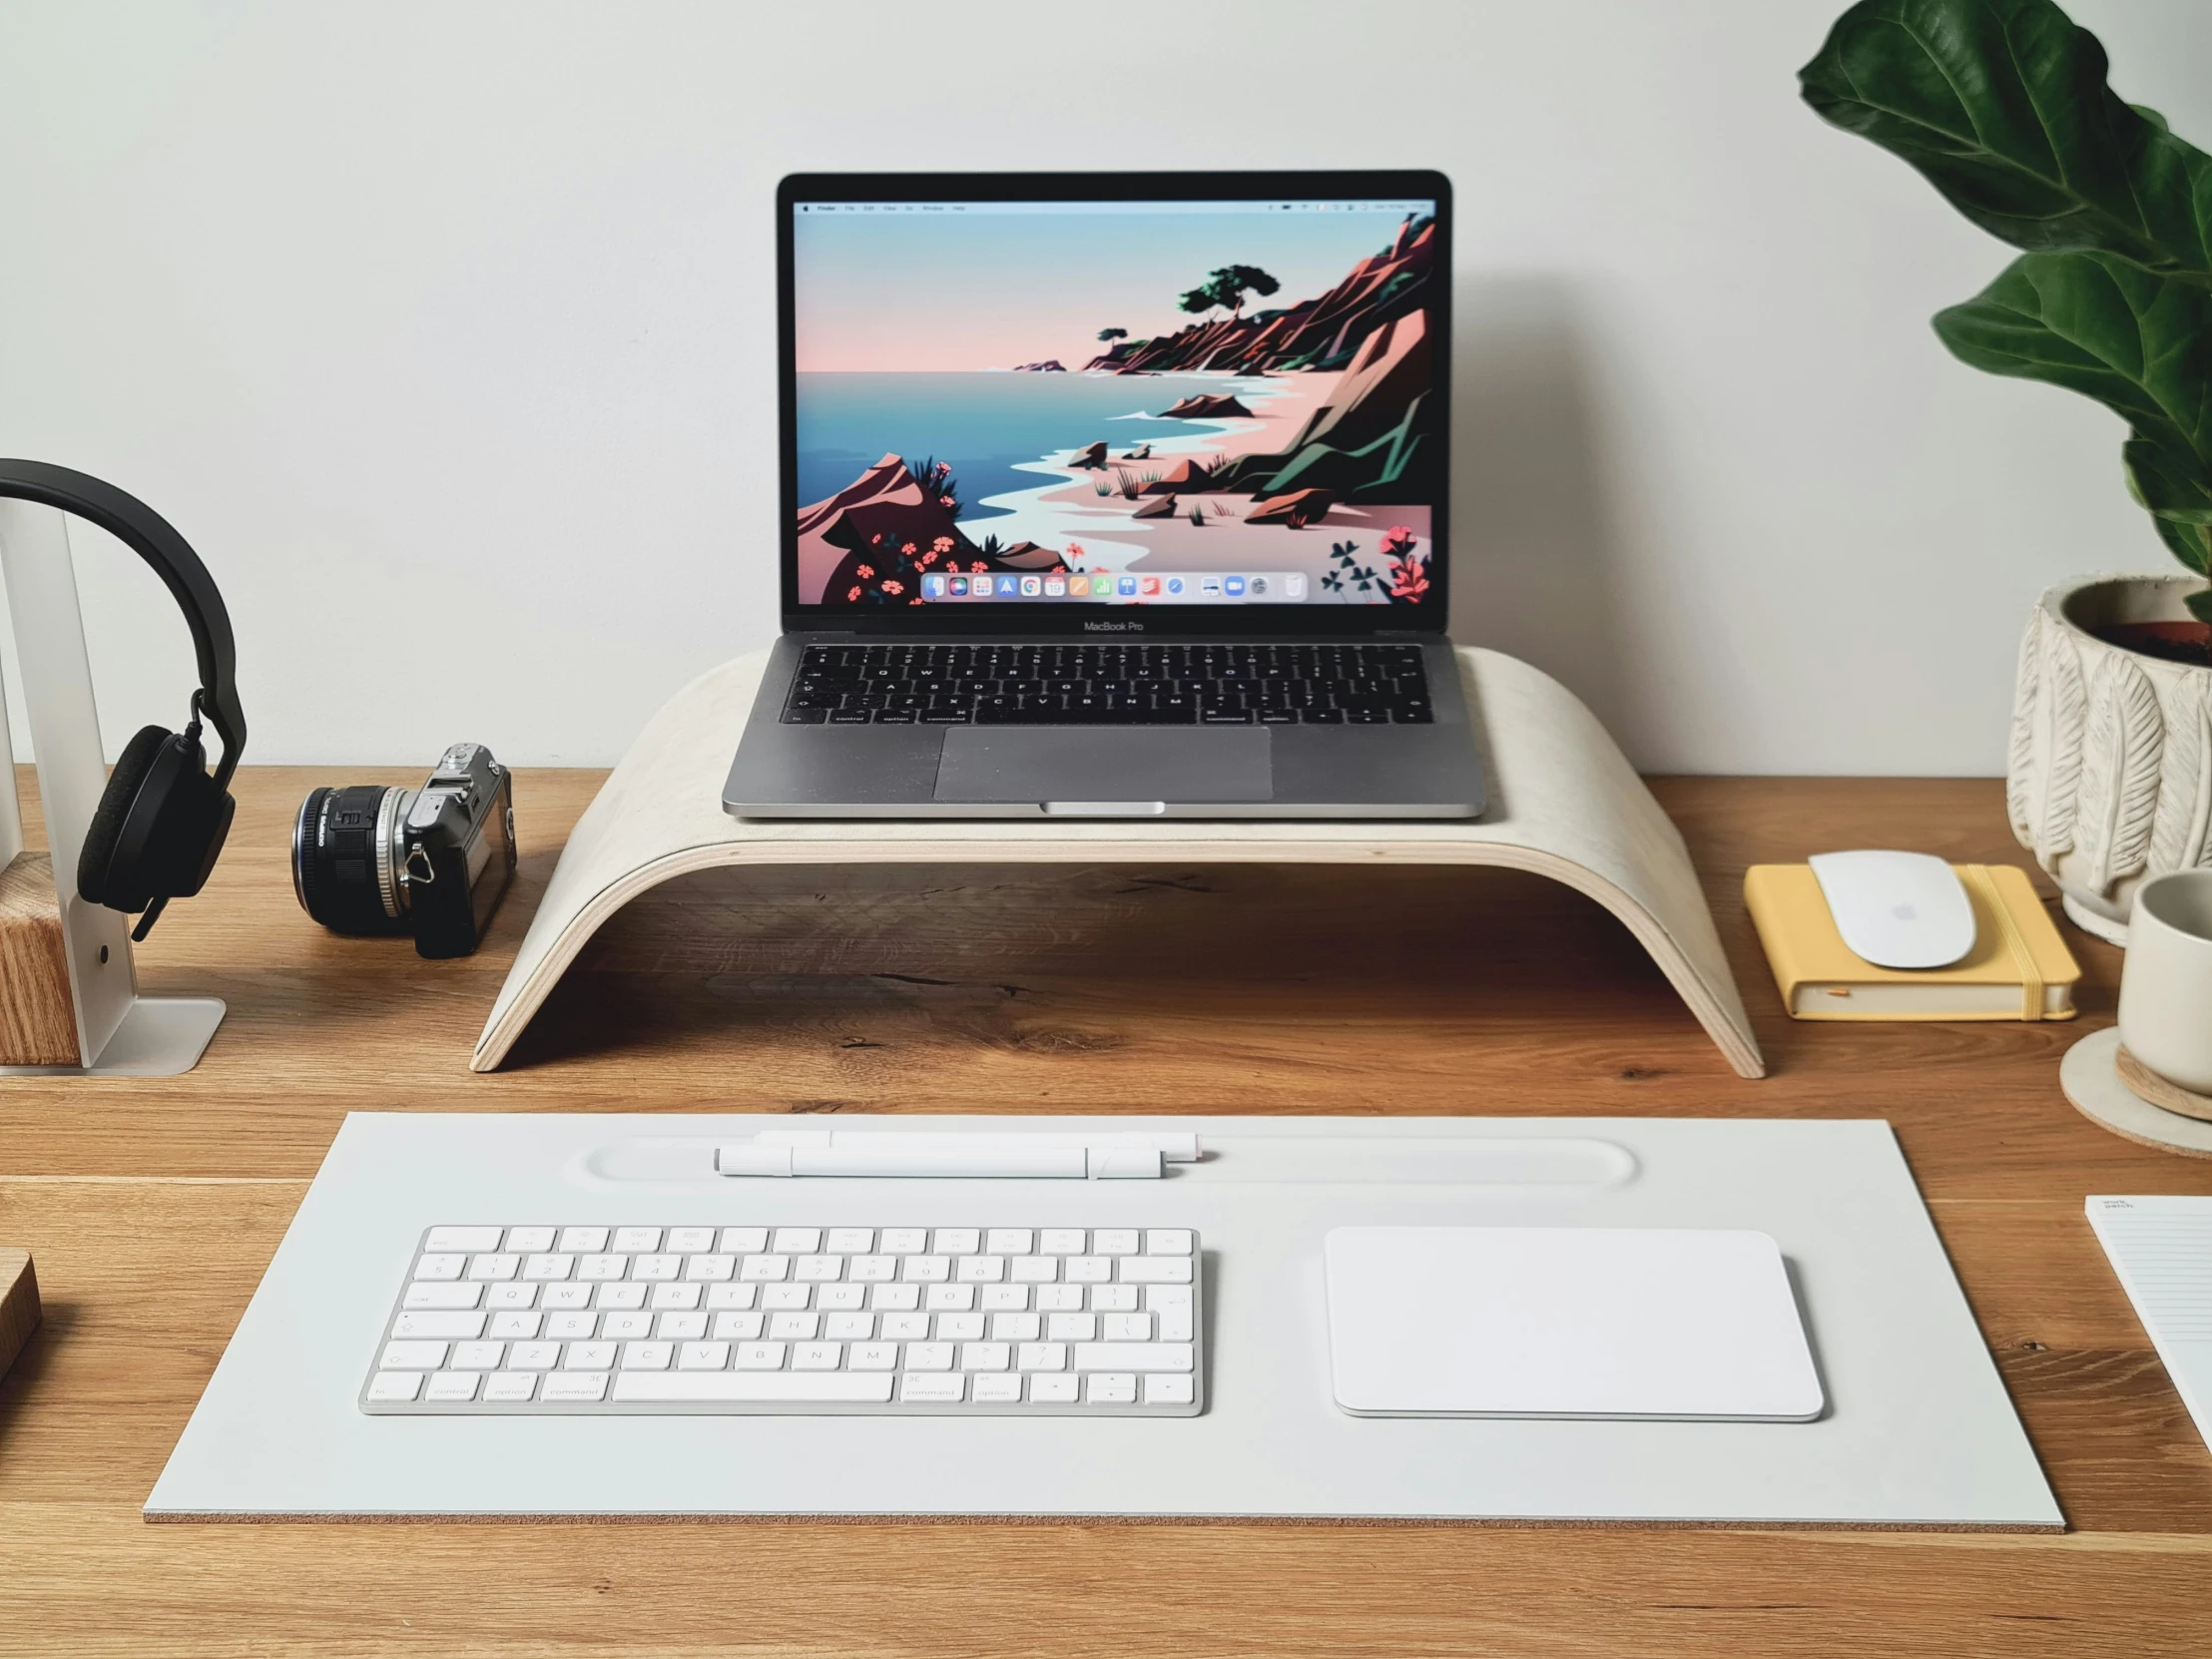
{"x": 1112, "y": 496}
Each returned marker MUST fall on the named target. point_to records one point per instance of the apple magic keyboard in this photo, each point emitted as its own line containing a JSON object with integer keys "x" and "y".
{"x": 888, "y": 1321}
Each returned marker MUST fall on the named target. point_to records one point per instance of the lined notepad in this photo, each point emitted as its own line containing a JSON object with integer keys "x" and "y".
{"x": 2162, "y": 1249}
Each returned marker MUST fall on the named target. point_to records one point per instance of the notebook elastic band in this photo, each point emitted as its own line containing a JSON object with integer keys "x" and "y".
{"x": 2015, "y": 942}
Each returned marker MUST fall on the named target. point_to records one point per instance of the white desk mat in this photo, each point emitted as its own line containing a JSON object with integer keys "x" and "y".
{"x": 1919, "y": 1431}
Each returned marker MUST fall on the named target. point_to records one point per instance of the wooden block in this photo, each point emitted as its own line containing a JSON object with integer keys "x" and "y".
{"x": 37, "y": 1021}
{"x": 18, "y": 1303}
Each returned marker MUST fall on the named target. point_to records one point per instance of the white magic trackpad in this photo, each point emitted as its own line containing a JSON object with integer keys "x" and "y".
{"x": 1566, "y": 1322}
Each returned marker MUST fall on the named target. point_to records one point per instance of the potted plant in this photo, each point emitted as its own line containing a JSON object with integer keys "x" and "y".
{"x": 2002, "y": 105}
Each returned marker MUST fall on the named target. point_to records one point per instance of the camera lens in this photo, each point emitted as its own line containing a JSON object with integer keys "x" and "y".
{"x": 346, "y": 858}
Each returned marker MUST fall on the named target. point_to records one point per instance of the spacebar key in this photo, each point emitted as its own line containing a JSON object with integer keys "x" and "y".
{"x": 792, "y": 1387}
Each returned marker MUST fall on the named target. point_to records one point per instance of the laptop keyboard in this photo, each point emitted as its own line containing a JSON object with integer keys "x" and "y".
{"x": 1109, "y": 684}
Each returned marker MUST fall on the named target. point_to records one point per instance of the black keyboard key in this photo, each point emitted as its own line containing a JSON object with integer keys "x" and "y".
{"x": 807, "y": 717}
{"x": 1324, "y": 716}
{"x": 850, "y": 717}
{"x": 894, "y": 717}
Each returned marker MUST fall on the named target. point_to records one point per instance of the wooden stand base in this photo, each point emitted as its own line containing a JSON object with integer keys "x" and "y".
{"x": 1564, "y": 804}
{"x": 38, "y": 1022}
{"x": 19, "y": 1310}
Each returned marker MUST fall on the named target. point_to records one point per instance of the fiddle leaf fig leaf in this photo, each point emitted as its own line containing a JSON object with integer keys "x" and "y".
{"x": 2137, "y": 341}
{"x": 2002, "y": 105}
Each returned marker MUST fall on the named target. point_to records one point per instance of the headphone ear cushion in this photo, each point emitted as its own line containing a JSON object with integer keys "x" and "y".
{"x": 95, "y": 861}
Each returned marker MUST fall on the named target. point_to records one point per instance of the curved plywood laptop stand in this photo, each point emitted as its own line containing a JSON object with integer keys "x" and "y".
{"x": 1564, "y": 804}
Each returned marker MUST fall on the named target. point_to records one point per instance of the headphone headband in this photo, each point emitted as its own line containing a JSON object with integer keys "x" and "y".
{"x": 152, "y": 537}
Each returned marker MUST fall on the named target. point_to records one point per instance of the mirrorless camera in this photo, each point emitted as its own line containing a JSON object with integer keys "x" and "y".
{"x": 372, "y": 858}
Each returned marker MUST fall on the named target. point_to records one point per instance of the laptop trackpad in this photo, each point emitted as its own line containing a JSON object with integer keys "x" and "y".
{"x": 1105, "y": 767}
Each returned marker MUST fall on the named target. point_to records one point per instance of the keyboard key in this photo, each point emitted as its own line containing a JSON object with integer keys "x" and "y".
{"x": 675, "y": 1295}
{"x": 1114, "y": 1299}
{"x": 1047, "y": 1389}
{"x": 1008, "y": 1241}
{"x": 622, "y": 1298}
{"x": 742, "y": 1240}
{"x": 654, "y": 1269}
{"x": 582, "y": 1241}
{"x": 568, "y": 1327}
{"x": 943, "y": 1298}
{"x": 573, "y": 1386}
{"x": 394, "y": 1387}
{"x": 1126, "y": 1328}
{"x": 958, "y": 1240}
{"x": 925, "y": 1389}
{"x": 1154, "y": 1270}
{"x": 1167, "y": 1241}
{"x": 647, "y": 1356}
{"x": 634, "y": 1241}
{"x": 922, "y": 1357}
{"x": 904, "y": 1241}
{"x": 565, "y": 1297}
{"x": 525, "y": 1241}
{"x": 732, "y": 1295}
{"x": 678, "y": 1328}
{"x": 738, "y": 1328}
{"x": 959, "y": 1327}
{"x": 589, "y": 1356}
{"x": 540, "y": 1269}
{"x": 599, "y": 1268}
{"x": 1166, "y": 1388}
{"x": 850, "y": 1241}
{"x": 689, "y": 1241}
{"x": 505, "y": 1296}
{"x": 533, "y": 1355}
{"x": 620, "y": 1328}
{"x": 785, "y": 1298}
{"x": 1001, "y": 1388}
{"x": 431, "y": 1294}
{"x": 1061, "y": 1241}
{"x": 412, "y": 1356}
{"x": 789, "y": 1387}
{"x": 478, "y": 1356}
{"x": 439, "y": 1267}
{"x": 759, "y": 1356}
{"x": 444, "y": 1326}
{"x": 1110, "y": 1389}
{"x": 796, "y": 1241}
{"x": 817, "y": 1355}
{"x": 703, "y": 1357}
{"x": 513, "y": 1327}
{"x": 1114, "y": 1241}
{"x": 466, "y": 1239}
{"x": 509, "y": 1387}
{"x": 1132, "y": 1357}
{"x": 874, "y": 1356}
{"x": 985, "y": 1357}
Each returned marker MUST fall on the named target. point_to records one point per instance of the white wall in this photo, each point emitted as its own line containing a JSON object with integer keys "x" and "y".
{"x": 445, "y": 332}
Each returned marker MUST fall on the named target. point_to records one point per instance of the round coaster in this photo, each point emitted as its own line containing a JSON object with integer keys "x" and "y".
{"x": 2157, "y": 1090}
{"x": 2090, "y": 1076}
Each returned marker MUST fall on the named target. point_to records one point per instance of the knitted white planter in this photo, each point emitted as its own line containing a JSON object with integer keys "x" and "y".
{"x": 2109, "y": 781}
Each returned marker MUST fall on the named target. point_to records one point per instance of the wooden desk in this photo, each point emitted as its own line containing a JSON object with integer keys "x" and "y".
{"x": 152, "y": 1207}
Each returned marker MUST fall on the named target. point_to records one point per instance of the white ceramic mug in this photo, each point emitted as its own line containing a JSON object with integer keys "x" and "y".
{"x": 2166, "y": 987}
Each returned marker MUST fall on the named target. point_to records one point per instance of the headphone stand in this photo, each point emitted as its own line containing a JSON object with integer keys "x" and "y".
{"x": 119, "y": 1032}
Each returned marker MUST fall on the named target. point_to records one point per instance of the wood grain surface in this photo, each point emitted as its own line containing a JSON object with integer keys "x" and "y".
{"x": 153, "y": 1205}
{"x": 38, "y": 1022}
{"x": 19, "y": 1304}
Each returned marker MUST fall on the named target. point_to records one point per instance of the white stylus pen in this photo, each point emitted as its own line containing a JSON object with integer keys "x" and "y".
{"x": 1174, "y": 1147}
{"x": 948, "y": 1161}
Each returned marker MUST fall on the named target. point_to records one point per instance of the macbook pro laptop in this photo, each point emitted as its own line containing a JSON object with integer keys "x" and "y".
{"x": 1115, "y": 495}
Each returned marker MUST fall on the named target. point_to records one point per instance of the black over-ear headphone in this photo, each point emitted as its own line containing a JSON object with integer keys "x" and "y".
{"x": 163, "y": 819}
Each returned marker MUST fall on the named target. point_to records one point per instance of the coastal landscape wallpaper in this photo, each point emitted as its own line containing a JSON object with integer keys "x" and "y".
{"x": 1110, "y": 390}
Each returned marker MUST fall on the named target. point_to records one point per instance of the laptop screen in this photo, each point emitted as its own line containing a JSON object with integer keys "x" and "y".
{"x": 1221, "y": 403}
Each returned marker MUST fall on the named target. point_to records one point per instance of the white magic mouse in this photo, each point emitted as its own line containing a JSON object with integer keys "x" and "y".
{"x": 1896, "y": 910}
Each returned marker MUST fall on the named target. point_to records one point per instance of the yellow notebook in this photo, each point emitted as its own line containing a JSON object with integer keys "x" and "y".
{"x": 2019, "y": 968}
